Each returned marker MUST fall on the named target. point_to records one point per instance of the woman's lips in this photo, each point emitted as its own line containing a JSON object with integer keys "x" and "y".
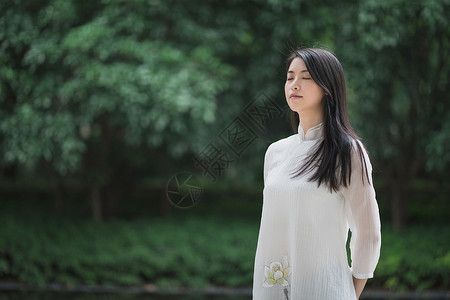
{"x": 295, "y": 96}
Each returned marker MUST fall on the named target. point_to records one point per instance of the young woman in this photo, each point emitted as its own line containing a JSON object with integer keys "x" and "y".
{"x": 317, "y": 186}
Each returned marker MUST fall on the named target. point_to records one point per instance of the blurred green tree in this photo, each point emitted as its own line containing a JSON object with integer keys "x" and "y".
{"x": 81, "y": 80}
{"x": 97, "y": 89}
{"x": 86, "y": 86}
{"x": 397, "y": 53}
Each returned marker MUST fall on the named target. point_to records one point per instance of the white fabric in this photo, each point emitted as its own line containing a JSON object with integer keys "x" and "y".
{"x": 301, "y": 250}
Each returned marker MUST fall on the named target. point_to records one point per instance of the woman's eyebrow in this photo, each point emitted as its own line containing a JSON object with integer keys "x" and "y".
{"x": 303, "y": 71}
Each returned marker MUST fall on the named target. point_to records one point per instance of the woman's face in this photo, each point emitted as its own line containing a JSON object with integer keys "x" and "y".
{"x": 303, "y": 94}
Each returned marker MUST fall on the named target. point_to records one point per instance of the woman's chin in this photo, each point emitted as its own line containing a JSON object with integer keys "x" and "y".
{"x": 295, "y": 108}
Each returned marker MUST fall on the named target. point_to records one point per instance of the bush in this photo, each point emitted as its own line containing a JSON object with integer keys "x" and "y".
{"x": 186, "y": 251}
{"x": 416, "y": 259}
{"x": 168, "y": 252}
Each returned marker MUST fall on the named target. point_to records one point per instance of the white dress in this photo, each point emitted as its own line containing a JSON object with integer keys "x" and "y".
{"x": 301, "y": 250}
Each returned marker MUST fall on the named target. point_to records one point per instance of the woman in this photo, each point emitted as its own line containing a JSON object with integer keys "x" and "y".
{"x": 317, "y": 186}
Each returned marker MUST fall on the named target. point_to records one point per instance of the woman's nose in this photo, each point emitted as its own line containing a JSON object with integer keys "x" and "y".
{"x": 295, "y": 85}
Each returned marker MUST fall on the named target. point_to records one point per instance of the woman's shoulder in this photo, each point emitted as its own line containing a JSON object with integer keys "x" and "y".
{"x": 360, "y": 157}
{"x": 358, "y": 148}
{"x": 281, "y": 144}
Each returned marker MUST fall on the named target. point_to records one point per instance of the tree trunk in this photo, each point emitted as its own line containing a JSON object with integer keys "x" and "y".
{"x": 165, "y": 206}
{"x": 96, "y": 204}
{"x": 100, "y": 165}
{"x": 400, "y": 183}
{"x": 58, "y": 198}
{"x": 111, "y": 202}
{"x": 400, "y": 204}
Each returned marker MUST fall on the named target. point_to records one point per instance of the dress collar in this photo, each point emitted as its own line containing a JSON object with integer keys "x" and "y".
{"x": 313, "y": 133}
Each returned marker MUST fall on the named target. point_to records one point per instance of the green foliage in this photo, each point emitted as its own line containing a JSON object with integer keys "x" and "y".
{"x": 169, "y": 253}
{"x": 399, "y": 71}
{"x": 77, "y": 75}
{"x": 137, "y": 75}
{"x": 417, "y": 259}
{"x": 194, "y": 250}
{"x": 395, "y": 57}
{"x": 67, "y": 83}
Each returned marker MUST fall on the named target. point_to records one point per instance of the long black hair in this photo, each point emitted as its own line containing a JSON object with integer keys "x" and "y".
{"x": 332, "y": 155}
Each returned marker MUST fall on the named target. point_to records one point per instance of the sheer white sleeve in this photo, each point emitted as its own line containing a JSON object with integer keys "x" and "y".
{"x": 363, "y": 217}
{"x": 266, "y": 164}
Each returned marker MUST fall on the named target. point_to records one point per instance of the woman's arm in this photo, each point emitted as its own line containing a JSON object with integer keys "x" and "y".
{"x": 364, "y": 222}
{"x": 359, "y": 285}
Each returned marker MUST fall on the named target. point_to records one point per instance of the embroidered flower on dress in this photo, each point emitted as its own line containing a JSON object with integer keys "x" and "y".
{"x": 277, "y": 272}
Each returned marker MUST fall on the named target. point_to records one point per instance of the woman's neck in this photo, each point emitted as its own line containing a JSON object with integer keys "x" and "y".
{"x": 307, "y": 122}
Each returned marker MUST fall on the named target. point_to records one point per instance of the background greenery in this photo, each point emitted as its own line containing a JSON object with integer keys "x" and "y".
{"x": 101, "y": 102}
